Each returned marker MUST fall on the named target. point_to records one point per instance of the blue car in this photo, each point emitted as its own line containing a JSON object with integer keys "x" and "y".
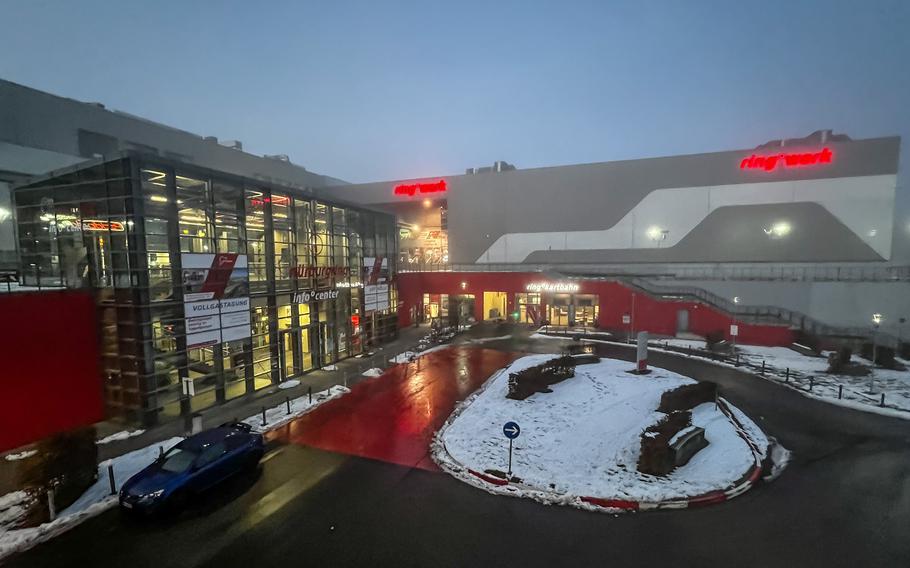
{"x": 192, "y": 466}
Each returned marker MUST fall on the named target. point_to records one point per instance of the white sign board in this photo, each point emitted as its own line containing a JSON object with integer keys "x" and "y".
{"x": 626, "y": 319}
{"x": 734, "y": 330}
{"x": 375, "y": 297}
{"x": 216, "y": 298}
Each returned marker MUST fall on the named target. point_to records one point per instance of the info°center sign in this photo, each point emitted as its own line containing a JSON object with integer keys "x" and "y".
{"x": 307, "y": 296}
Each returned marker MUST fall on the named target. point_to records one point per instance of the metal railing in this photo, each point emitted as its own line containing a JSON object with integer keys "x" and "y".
{"x": 759, "y": 314}
{"x": 815, "y": 272}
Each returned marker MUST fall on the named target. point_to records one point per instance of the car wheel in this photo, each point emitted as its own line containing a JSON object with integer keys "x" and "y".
{"x": 252, "y": 462}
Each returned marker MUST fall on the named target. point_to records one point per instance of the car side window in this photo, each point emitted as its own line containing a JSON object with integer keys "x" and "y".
{"x": 210, "y": 454}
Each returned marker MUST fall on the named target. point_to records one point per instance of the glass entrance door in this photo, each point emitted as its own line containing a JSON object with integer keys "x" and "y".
{"x": 327, "y": 336}
{"x": 306, "y": 349}
{"x": 290, "y": 353}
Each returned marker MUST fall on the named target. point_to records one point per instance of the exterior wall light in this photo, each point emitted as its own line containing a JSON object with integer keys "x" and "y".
{"x": 778, "y": 230}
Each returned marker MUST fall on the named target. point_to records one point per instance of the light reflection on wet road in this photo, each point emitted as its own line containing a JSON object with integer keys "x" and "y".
{"x": 393, "y": 418}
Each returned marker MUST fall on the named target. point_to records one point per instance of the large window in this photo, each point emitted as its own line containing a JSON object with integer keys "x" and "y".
{"x": 194, "y": 214}
{"x": 284, "y": 235}
{"x": 255, "y": 233}
{"x": 229, "y": 234}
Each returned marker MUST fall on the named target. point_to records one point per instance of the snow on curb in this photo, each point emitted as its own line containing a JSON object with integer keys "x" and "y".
{"x": 122, "y": 435}
{"x": 96, "y": 498}
{"x": 21, "y": 455}
{"x": 500, "y": 486}
{"x": 278, "y": 416}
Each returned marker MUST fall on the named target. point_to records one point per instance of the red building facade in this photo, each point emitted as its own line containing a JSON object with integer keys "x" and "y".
{"x": 605, "y": 304}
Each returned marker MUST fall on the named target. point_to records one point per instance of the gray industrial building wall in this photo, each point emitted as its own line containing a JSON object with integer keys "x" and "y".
{"x": 715, "y": 211}
{"x": 842, "y": 304}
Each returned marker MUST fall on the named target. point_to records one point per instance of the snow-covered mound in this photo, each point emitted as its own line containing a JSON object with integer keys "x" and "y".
{"x": 583, "y": 439}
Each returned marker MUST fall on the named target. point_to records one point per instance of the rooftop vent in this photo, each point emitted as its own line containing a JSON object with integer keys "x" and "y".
{"x": 498, "y": 166}
{"x": 817, "y": 137}
{"x": 211, "y": 139}
{"x": 278, "y": 157}
{"x": 233, "y": 144}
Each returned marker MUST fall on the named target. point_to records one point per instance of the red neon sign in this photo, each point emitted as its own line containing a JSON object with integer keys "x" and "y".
{"x": 94, "y": 225}
{"x": 414, "y": 188}
{"x": 798, "y": 160}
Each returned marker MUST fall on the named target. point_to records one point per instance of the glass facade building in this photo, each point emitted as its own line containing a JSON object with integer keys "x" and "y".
{"x": 209, "y": 286}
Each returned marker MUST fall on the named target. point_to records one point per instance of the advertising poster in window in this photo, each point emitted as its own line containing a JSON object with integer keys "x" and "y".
{"x": 216, "y": 298}
{"x": 375, "y": 290}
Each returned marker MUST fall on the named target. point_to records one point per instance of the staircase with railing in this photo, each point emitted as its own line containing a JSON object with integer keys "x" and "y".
{"x": 755, "y": 314}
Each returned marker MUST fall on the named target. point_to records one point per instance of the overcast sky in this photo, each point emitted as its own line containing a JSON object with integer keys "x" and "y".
{"x": 377, "y": 90}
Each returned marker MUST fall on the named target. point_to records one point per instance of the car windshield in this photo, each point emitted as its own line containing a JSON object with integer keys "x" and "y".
{"x": 178, "y": 460}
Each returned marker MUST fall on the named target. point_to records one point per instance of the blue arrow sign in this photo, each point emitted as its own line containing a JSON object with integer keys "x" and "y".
{"x": 511, "y": 430}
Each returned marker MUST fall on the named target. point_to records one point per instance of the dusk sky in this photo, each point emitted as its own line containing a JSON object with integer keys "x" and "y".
{"x": 382, "y": 90}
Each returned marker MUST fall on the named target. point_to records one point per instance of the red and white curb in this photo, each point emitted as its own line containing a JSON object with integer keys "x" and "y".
{"x": 747, "y": 481}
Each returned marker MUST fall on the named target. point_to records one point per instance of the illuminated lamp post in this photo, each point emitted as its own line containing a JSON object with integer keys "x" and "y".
{"x": 876, "y": 321}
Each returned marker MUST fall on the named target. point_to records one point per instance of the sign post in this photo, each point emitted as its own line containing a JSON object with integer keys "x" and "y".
{"x": 627, "y": 320}
{"x": 511, "y": 431}
{"x": 734, "y": 331}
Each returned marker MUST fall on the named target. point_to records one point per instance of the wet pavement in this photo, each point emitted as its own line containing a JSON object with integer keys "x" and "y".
{"x": 340, "y": 490}
{"x": 393, "y": 418}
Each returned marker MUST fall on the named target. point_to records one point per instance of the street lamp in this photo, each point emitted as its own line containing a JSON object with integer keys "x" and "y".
{"x": 876, "y": 321}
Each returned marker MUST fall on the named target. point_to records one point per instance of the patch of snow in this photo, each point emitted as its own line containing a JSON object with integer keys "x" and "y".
{"x": 122, "y": 435}
{"x": 289, "y": 384}
{"x": 330, "y": 368}
{"x": 403, "y": 357}
{"x": 374, "y": 372}
{"x": 676, "y": 436}
{"x": 780, "y": 458}
{"x": 279, "y": 416}
{"x": 583, "y": 439}
{"x": 13, "y": 508}
{"x": 21, "y": 455}
{"x": 544, "y": 336}
{"x": 825, "y": 387}
{"x": 432, "y": 349}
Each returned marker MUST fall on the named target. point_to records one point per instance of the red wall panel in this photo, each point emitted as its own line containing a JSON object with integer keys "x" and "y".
{"x": 49, "y": 377}
{"x": 652, "y": 315}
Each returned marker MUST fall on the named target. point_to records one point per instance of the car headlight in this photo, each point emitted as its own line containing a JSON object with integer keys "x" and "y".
{"x": 148, "y": 497}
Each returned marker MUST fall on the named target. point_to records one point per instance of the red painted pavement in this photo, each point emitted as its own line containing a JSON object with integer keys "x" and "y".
{"x": 392, "y": 418}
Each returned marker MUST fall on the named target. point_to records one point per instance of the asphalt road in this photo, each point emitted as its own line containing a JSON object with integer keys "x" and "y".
{"x": 843, "y": 501}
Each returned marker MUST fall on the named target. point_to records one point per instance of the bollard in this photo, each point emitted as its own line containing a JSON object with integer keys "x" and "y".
{"x": 263, "y": 416}
{"x": 882, "y": 404}
{"x": 763, "y": 367}
{"x": 787, "y": 378}
{"x": 811, "y": 383}
{"x": 287, "y": 401}
{"x": 309, "y": 392}
{"x": 840, "y": 391}
{"x": 737, "y": 359}
{"x": 51, "y": 507}
{"x": 110, "y": 477}
{"x": 160, "y": 451}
